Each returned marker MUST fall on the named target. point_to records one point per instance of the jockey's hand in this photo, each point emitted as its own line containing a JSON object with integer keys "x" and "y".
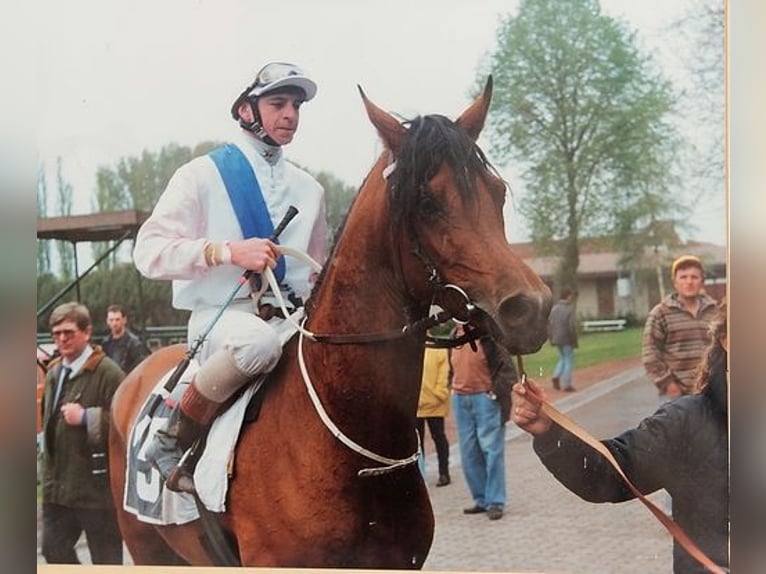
{"x": 72, "y": 413}
{"x": 255, "y": 254}
{"x": 526, "y": 413}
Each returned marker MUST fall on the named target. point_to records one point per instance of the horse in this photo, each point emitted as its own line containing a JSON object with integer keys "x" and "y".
{"x": 327, "y": 476}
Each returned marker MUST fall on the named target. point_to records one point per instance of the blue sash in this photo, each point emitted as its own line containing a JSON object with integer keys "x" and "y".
{"x": 246, "y": 196}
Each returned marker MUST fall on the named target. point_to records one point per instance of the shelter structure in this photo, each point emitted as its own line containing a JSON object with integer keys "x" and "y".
{"x": 116, "y": 226}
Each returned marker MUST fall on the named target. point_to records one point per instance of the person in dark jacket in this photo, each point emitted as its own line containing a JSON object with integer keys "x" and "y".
{"x": 122, "y": 345}
{"x": 682, "y": 447}
{"x": 75, "y": 416}
{"x": 562, "y": 332}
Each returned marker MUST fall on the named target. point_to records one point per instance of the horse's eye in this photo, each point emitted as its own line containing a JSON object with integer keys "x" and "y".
{"x": 429, "y": 207}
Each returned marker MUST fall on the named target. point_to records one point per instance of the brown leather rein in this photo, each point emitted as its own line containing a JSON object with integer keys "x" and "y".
{"x": 565, "y": 422}
{"x": 461, "y": 312}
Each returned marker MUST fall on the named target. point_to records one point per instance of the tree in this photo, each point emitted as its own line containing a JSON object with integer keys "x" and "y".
{"x": 338, "y": 198}
{"x": 586, "y": 117}
{"x": 137, "y": 182}
{"x": 43, "y": 247}
{"x": 65, "y": 251}
{"x": 699, "y": 40}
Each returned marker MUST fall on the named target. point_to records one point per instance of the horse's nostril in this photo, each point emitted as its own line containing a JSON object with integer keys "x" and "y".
{"x": 524, "y": 320}
{"x": 517, "y": 309}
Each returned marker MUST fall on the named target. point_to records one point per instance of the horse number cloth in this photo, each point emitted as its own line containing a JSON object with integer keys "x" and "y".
{"x": 145, "y": 494}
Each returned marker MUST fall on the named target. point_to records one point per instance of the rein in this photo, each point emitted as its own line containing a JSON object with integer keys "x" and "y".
{"x": 419, "y": 326}
{"x": 568, "y": 424}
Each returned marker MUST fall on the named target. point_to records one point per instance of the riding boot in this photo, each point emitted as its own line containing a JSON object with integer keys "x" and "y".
{"x": 187, "y": 422}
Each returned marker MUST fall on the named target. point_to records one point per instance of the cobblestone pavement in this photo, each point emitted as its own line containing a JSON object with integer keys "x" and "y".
{"x": 546, "y": 528}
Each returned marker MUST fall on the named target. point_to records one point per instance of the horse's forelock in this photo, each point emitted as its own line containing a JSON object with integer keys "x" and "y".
{"x": 432, "y": 141}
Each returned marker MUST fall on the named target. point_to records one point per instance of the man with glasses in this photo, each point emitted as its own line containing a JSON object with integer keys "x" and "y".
{"x": 75, "y": 418}
{"x": 214, "y": 221}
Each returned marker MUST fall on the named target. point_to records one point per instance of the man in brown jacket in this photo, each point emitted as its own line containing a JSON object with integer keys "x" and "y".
{"x": 75, "y": 412}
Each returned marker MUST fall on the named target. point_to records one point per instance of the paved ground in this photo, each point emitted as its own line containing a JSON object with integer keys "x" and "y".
{"x": 546, "y": 528}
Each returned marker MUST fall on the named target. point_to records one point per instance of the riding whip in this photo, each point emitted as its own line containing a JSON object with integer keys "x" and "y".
{"x": 171, "y": 383}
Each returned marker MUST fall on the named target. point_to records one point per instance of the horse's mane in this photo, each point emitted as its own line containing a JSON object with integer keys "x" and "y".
{"x": 431, "y": 141}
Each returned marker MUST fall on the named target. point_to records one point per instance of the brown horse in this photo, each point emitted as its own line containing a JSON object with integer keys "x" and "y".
{"x": 427, "y": 220}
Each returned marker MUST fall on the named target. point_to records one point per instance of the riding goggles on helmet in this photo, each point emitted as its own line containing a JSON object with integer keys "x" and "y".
{"x": 278, "y": 75}
{"x": 274, "y": 76}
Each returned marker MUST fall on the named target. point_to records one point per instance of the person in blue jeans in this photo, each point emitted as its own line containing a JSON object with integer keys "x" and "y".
{"x": 562, "y": 332}
{"x": 481, "y": 382}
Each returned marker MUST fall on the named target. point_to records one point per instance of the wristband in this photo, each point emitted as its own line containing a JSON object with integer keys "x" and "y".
{"x": 225, "y": 253}
{"x": 217, "y": 253}
{"x": 207, "y": 251}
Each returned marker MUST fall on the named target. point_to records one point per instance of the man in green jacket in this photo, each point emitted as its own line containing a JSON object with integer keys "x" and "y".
{"x": 75, "y": 412}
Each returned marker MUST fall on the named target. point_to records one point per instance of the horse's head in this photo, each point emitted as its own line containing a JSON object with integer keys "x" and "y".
{"x": 446, "y": 206}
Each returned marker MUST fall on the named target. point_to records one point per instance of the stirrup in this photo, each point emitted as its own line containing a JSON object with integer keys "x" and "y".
{"x": 166, "y": 454}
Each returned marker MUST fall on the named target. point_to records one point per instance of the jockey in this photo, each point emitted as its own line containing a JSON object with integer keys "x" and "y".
{"x": 199, "y": 236}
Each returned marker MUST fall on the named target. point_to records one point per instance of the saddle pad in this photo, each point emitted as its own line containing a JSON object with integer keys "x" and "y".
{"x": 145, "y": 494}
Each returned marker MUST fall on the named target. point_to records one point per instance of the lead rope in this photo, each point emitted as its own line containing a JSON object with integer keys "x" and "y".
{"x": 565, "y": 422}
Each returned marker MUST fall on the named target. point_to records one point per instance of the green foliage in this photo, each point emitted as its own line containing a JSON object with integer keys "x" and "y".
{"x": 146, "y": 302}
{"x": 43, "y": 247}
{"x": 593, "y": 348}
{"x": 585, "y": 116}
{"x": 137, "y": 182}
{"x": 338, "y": 198}
{"x": 64, "y": 195}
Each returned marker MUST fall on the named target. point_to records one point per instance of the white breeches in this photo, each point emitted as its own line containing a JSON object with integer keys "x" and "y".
{"x": 254, "y": 345}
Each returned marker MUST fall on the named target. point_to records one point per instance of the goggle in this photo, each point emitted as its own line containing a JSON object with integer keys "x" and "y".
{"x": 274, "y": 72}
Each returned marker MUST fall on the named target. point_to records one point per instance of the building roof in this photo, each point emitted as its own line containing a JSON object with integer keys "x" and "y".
{"x": 108, "y": 226}
{"x": 595, "y": 260}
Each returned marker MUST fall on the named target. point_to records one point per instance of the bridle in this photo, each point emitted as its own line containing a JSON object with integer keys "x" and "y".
{"x": 457, "y": 305}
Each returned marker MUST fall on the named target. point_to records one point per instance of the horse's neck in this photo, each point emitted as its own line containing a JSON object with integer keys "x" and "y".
{"x": 363, "y": 288}
{"x": 362, "y": 293}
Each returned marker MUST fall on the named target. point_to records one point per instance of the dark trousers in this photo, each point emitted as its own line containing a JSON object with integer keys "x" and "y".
{"x": 63, "y": 525}
{"x": 436, "y": 428}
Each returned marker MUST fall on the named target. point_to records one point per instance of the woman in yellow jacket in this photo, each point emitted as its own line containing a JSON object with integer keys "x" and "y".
{"x": 434, "y": 406}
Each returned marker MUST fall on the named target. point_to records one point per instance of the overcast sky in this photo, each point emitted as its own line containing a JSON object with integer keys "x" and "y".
{"x": 117, "y": 78}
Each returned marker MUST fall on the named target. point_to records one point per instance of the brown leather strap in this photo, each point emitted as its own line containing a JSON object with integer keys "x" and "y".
{"x": 565, "y": 422}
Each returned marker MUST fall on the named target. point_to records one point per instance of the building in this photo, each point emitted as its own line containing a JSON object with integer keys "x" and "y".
{"x": 606, "y": 290}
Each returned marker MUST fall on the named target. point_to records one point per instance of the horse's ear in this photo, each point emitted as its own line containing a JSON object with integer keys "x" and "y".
{"x": 472, "y": 120}
{"x": 390, "y": 129}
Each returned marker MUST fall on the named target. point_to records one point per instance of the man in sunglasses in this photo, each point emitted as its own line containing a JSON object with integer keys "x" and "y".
{"x": 75, "y": 414}
{"x": 214, "y": 221}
